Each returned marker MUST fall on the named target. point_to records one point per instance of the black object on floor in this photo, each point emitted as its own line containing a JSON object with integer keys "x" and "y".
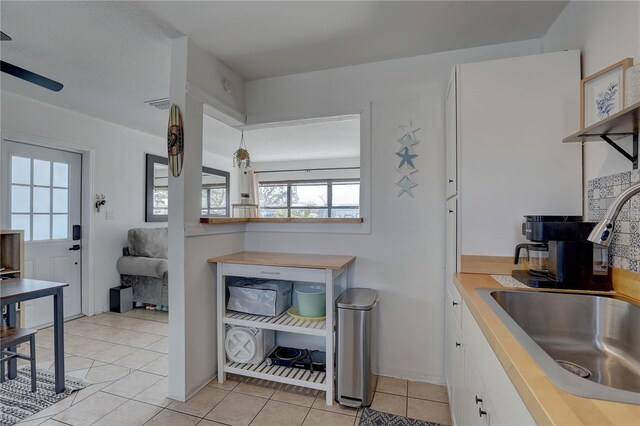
{"x": 121, "y": 299}
{"x": 376, "y": 418}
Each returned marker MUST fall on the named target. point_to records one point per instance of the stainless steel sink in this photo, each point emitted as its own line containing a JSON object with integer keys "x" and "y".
{"x": 588, "y": 345}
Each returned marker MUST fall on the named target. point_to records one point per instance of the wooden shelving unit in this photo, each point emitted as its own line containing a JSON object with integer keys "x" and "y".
{"x": 12, "y": 259}
{"x": 328, "y": 270}
{"x": 621, "y": 124}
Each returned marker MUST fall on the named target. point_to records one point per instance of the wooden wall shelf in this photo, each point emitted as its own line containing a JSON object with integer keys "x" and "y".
{"x": 619, "y": 125}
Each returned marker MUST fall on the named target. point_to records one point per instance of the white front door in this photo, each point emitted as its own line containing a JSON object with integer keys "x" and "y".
{"x": 41, "y": 189}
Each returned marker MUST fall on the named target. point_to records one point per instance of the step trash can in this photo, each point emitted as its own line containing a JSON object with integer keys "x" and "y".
{"x": 355, "y": 347}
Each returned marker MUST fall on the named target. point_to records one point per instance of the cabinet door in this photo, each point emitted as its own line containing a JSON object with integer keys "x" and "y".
{"x": 451, "y": 147}
{"x": 449, "y": 343}
{"x": 451, "y": 242}
{"x": 457, "y": 373}
{"x": 513, "y": 115}
{"x": 473, "y": 395}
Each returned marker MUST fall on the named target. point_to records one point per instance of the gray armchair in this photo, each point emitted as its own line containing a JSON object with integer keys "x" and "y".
{"x": 144, "y": 265}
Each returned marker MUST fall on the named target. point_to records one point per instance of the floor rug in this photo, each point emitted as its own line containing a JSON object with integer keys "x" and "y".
{"x": 17, "y": 402}
{"x": 376, "y": 418}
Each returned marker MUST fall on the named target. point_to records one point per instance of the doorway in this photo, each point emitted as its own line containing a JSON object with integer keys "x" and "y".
{"x": 41, "y": 194}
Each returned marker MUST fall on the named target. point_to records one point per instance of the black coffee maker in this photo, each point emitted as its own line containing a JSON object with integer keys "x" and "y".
{"x": 573, "y": 261}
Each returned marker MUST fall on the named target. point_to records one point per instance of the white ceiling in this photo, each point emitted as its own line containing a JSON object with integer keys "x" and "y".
{"x": 316, "y": 140}
{"x": 264, "y": 39}
{"x": 113, "y": 56}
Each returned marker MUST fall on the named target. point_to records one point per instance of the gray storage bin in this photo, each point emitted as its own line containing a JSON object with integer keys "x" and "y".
{"x": 259, "y": 297}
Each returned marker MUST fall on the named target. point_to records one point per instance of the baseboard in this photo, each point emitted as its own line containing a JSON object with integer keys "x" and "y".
{"x": 418, "y": 376}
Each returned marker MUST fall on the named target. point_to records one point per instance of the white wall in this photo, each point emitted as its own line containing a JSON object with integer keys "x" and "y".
{"x": 403, "y": 255}
{"x": 605, "y": 32}
{"x": 119, "y": 173}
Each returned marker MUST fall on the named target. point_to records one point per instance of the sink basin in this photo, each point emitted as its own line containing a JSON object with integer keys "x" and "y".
{"x": 586, "y": 344}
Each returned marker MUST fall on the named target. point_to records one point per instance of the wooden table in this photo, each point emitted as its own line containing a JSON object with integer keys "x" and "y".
{"x": 18, "y": 290}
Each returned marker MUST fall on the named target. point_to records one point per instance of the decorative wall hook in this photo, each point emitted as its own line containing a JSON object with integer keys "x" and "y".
{"x": 100, "y": 201}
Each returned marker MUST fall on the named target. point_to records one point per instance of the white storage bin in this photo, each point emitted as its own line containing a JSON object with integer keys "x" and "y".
{"x": 249, "y": 345}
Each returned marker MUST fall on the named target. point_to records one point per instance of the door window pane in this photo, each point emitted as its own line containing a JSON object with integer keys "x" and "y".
{"x": 160, "y": 201}
{"x": 60, "y": 200}
{"x": 61, "y": 175}
{"x": 20, "y": 170}
{"x": 21, "y": 221}
{"x": 41, "y": 172}
{"x": 20, "y": 199}
{"x": 60, "y": 228}
{"x": 273, "y": 195}
{"x": 41, "y": 200}
{"x": 41, "y": 225}
{"x": 309, "y": 195}
{"x": 345, "y": 194}
{"x": 203, "y": 204}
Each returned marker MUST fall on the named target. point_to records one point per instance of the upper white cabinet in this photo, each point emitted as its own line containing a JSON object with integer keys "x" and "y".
{"x": 451, "y": 131}
{"x": 505, "y": 123}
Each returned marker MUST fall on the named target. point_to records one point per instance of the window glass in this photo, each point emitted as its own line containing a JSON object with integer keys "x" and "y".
{"x": 273, "y": 195}
{"x": 41, "y": 172}
{"x": 20, "y": 170}
{"x": 22, "y": 221}
{"x": 60, "y": 229}
{"x": 160, "y": 201}
{"x": 20, "y": 199}
{"x": 309, "y": 195}
{"x": 345, "y": 212}
{"x": 218, "y": 197}
{"x": 277, "y": 213}
{"x": 60, "y": 175}
{"x": 41, "y": 200}
{"x": 41, "y": 226}
{"x": 310, "y": 213}
{"x": 60, "y": 200}
{"x": 345, "y": 194}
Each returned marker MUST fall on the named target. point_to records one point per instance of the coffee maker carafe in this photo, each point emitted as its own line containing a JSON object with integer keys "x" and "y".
{"x": 573, "y": 262}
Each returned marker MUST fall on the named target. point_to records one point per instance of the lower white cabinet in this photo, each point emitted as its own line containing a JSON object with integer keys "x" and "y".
{"x": 480, "y": 391}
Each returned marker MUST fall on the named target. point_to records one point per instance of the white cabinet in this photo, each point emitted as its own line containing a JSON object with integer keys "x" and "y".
{"x": 504, "y": 127}
{"x": 474, "y": 396}
{"x": 451, "y": 241}
{"x": 454, "y": 360}
{"x": 451, "y": 131}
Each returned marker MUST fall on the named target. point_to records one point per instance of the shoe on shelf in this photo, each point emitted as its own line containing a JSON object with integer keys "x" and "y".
{"x": 150, "y": 306}
{"x": 165, "y": 308}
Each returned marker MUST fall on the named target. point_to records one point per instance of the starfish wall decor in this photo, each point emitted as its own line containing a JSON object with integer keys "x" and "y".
{"x": 407, "y": 168}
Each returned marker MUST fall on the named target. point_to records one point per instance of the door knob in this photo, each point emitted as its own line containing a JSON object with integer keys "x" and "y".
{"x": 75, "y": 247}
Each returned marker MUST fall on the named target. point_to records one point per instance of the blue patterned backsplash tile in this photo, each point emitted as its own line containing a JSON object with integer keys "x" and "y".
{"x": 624, "y": 250}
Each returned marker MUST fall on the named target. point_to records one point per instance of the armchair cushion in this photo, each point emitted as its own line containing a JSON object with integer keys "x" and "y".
{"x": 149, "y": 242}
{"x": 142, "y": 266}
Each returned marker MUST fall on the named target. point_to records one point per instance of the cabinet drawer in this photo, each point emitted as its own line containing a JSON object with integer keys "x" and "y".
{"x": 274, "y": 272}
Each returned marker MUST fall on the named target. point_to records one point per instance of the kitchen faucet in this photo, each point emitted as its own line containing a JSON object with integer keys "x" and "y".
{"x": 604, "y": 228}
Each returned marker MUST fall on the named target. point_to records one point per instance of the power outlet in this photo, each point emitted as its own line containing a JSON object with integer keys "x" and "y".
{"x": 110, "y": 215}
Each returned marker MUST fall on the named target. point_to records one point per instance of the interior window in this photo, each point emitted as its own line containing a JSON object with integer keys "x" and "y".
{"x": 317, "y": 198}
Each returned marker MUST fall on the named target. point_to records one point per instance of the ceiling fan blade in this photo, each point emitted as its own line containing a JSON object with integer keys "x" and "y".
{"x": 4, "y": 37}
{"x": 31, "y": 77}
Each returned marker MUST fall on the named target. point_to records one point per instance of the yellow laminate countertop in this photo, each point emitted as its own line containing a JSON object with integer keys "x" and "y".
{"x": 547, "y": 403}
{"x": 293, "y": 260}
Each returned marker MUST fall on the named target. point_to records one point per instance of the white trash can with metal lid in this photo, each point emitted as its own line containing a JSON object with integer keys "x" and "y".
{"x": 355, "y": 347}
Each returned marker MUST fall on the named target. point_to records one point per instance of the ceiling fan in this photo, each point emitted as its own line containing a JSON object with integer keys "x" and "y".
{"x": 27, "y": 75}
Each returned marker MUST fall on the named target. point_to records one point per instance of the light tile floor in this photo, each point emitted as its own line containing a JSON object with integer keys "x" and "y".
{"x": 125, "y": 358}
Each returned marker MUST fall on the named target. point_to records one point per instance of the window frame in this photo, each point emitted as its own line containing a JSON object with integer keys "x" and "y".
{"x": 300, "y": 182}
